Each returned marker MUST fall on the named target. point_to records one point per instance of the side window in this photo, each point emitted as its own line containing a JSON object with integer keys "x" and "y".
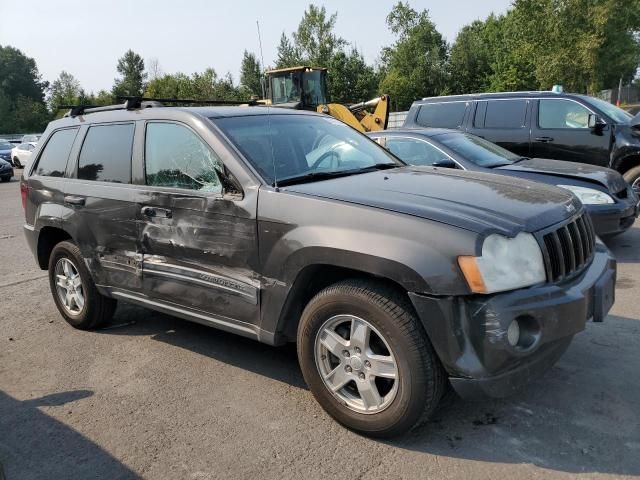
{"x": 53, "y": 160}
{"x": 415, "y": 152}
{"x": 505, "y": 114}
{"x": 106, "y": 153}
{"x": 443, "y": 115}
{"x": 177, "y": 157}
{"x": 560, "y": 114}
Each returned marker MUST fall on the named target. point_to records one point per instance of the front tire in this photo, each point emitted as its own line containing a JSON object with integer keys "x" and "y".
{"x": 73, "y": 290}
{"x": 16, "y": 162}
{"x": 367, "y": 359}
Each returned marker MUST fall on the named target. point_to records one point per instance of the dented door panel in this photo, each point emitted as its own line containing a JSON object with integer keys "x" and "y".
{"x": 199, "y": 252}
{"x": 105, "y": 227}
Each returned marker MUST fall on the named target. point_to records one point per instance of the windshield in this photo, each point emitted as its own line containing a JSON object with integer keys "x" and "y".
{"x": 477, "y": 150}
{"x": 293, "y": 146}
{"x": 5, "y": 146}
{"x": 615, "y": 113}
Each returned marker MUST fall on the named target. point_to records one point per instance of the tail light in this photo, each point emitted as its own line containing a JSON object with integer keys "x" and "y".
{"x": 24, "y": 189}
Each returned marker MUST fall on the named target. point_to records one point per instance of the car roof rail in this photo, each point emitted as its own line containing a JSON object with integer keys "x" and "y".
{"x": 134, "y": 103}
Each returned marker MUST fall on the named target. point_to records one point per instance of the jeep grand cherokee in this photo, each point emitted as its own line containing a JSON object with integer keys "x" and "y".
{"x": 289, "y": 226}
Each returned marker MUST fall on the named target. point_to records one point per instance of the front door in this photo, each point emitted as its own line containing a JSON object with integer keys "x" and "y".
{"x": 560, "y": 130}
{"x": 199, "y": 243}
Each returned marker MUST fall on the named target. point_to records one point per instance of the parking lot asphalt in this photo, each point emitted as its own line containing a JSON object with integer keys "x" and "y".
{"x": 156, "y": 397}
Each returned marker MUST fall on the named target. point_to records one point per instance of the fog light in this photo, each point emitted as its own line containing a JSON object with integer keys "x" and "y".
{"x": 513, "y": 333}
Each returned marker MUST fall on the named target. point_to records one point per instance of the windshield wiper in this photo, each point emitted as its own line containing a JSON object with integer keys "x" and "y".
{"x": 315, "y": 176}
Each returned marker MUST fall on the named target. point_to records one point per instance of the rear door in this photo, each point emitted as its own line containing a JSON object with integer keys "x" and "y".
{"x": 199, "y": 241}
{"x": 100, "y": 210}
{"x": 560, "y": 131}
{"x": 505, "y": 122}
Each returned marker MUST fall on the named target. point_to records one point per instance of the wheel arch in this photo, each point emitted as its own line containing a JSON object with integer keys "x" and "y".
{"x": 312, "y": 279}
{"x": 48, "y": 238}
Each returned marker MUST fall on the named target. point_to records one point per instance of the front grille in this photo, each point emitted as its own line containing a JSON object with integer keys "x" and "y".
{"x": 569, "y": 248}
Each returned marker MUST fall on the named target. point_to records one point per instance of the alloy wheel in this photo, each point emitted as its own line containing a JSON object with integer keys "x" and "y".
{"x": 356, "y": 364}
{"x": 69, "y": 286}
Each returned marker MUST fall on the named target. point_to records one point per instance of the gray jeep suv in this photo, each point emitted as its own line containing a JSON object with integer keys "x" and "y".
{"x": 289, "y": 226}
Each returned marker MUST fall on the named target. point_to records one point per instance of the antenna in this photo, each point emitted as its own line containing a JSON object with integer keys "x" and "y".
{"x": 264, "y": 94}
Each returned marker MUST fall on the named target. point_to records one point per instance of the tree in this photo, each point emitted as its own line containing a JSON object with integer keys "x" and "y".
{"x": 155, "y": 70}
{"x": 22, "y": 92}
{"x": 315, "y": 39}
{"x": 251, "y": 74}
{"x": 65, "y": 90}
{"x": 132, "y": 75}
{"x": 199, "y": 86}
{"x": 288, "y": 55}
{"x": 414, "y": 66}
{"x": 351, "y": 80}
{"x": 470, "y": 60}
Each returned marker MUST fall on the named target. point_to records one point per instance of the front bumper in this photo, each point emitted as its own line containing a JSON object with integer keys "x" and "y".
{"x": 615, "y": 218}
{"x": 469, "y": 333}
{"x": 8, "y": 173}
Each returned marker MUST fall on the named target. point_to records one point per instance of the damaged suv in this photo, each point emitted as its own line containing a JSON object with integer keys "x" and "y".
{"x": 289, "y": 226}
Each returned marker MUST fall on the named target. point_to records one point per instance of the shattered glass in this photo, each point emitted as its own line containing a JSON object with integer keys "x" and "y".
{"x": 177, "y": 157}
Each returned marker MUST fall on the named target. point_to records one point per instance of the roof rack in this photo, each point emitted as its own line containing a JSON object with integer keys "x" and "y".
{"x": 133, "y": 103}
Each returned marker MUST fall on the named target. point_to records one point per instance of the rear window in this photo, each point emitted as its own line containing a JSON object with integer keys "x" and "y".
{"x": 503, "y": 114}
{"x": 106, "y": 154}
{"x": 53, "y": 160}
{"x": 442, "y": 115}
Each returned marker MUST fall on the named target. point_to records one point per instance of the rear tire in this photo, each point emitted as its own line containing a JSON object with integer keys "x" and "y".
{"x": 341, "y": 376}
{"x": 73, "y": 290}
{"x": 632, "y": 176}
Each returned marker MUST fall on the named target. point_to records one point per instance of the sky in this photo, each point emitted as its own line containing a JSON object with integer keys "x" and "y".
{"x": 86, "y": 37}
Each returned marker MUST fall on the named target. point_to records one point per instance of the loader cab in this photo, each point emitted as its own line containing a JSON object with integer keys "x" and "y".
{"x": 301, "y": 87}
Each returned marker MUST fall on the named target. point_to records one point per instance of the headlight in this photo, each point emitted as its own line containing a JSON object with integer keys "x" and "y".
{"x": 505, "y": 264}
{"x": 589, "y": 196}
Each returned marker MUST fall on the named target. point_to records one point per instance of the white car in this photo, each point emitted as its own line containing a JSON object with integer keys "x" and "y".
{"x": 21, "y": 154}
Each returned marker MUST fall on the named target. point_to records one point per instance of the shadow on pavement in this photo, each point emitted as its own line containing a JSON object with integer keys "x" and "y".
{"x": 583, "y": 416}
{"x": 35, "y": 446}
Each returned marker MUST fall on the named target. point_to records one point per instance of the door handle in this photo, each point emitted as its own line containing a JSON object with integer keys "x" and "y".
{"x": 544, "y": 139}
{"x": 71, "y": 200}
{"x": 156, "y": 212}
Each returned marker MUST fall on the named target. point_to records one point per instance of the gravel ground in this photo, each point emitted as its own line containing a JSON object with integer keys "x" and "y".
{"x": 156, "y": 397}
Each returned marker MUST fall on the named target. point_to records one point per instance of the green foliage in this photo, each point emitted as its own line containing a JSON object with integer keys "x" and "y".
{"x": 132, "y": 75}
{"x": 315, "y": 39}
{"x": 585, "y": 45}
{"x": 250, "y": 74}
{"x": 351, "y": 80}
{"x": 65, "y": 90}
{"x": 22, "y": 90}
{"x": 288, "y": 55}
{"x": 315, "y": 43}
{"x": 198, "y": 86}
{"x": 414, "y": 66}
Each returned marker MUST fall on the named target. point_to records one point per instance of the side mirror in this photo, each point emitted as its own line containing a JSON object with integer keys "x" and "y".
{"x": 445, "y": 163}
{"x": 595, "y": 123}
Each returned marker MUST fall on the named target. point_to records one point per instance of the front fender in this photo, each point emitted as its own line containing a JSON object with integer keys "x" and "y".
{"x": 296, "y": 231}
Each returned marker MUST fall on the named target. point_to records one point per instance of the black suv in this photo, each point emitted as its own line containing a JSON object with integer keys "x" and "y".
{"x": 289, "y": 226}
{"x": 561, "y": 126}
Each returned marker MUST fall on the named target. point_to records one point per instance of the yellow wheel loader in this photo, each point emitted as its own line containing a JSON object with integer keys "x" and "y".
{"x": 305, "y": 88}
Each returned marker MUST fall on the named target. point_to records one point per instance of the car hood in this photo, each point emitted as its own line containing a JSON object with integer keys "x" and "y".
{"x": 480, "y": 202}
{"x": 606, "y": 177}
{"x": 635, "y": 121}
